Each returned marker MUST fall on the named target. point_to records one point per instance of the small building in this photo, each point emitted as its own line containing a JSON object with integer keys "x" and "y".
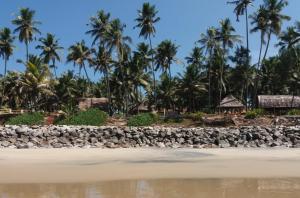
{"x": 230, "y": 104}
{"x": 278, "y": 102}
{"x": 86, "y": 103}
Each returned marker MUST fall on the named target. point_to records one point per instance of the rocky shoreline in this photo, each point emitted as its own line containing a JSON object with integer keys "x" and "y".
{"x": 22, "y": 137}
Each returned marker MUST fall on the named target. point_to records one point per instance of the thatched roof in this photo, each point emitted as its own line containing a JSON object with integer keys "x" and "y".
{"x": 231, "y": 102}
{"x": 278, "y": 101}
{"x": 85, "y": 103}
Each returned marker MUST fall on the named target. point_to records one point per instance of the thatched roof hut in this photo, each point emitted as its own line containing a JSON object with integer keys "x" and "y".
{"x": 278, "y": 101}
{"x": 86, "y": 103}
{"x": 231, "y": 102}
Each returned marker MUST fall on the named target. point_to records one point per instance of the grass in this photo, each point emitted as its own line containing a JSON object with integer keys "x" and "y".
{"x": 91, "y": 117}
{"x": 252, "y": 114}
{"x": 35, "y": 118}
{"x": 294, "y": 112}
{"x": 143, "y": 119}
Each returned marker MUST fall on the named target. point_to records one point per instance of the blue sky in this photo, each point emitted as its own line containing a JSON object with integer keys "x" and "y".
{"x": 182, "y": 21}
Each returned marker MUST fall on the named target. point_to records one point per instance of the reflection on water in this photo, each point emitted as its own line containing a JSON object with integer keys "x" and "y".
{"x": 206, "y": 188}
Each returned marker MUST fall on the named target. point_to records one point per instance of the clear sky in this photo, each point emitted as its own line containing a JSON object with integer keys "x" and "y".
{"x": 182, "y": 21}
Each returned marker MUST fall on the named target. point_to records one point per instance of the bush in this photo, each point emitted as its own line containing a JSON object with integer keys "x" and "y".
{"x": 254, "y": 113}
{"x": 144, "y": 119}
{"x": 92, "y": 117}
{"x": 197, "y": 116}
{"x": 294, "y": 112}
{"x": 35, "y": 118}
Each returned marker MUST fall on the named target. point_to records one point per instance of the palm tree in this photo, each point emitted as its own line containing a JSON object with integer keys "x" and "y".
{"x": 79, "y": 54}
{"x": 227, "y": 38}
{"x": 260, "y": 22}
{"x": 275, "y": 18}
{"x": 26, "y": 26}
{"x": 100, "y": 24}
{"x": 115, "y": 41}
{"x": 35, "y": 83}
{"x": 50, "y": 48}
{"x": 165, "y": 56}
{"x": 209, "y": 43}
{"x": 143, "y": 55}
{"x": 6, "y": 46}
{"x": 101, "y": 62}
{"x": 146, "y": 21}
{"x": 196, "y": 57}
{"x": 241, "y": 8}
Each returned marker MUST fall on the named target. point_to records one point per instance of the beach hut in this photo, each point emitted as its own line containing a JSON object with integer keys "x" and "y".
{"x": 86, "y": 103}
{"x": 230, "y": 104}
{"x": 278, "y": 102}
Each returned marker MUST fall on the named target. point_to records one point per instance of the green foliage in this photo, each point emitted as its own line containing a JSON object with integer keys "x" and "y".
{"x": 144, "y": 119}
{"x": 294, "y": 112}
{"x": 197, "y": 116}
{"x": 254, "y": 113}
{"x": 92, "y": 117}
{"x": 35, "y": 118}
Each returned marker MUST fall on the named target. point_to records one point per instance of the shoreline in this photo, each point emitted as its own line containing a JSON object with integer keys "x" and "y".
{"x": 96, "y": 165}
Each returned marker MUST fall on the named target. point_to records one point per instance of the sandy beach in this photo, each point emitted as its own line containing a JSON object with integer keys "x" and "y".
{"x": 93, "y": 165}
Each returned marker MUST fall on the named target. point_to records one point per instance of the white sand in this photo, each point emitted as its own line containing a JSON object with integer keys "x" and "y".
{"x": 91, "y": 165}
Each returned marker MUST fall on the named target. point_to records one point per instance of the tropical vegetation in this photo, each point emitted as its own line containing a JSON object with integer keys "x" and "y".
{"x": 130, "y": 76}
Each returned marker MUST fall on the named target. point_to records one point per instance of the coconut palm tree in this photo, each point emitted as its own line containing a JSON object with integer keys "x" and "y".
{"x": 115, "y": 41}
{"x": 146, "y": 22}
{"x": 196, "y": 57}
{"x": 101, "y": 62}
{"x": 143, "y": 55}
{"x": 35, "y": 83}
{"x": 50, "y": 47}
{"x": 209, "y": 43}
{"x": 79, "y": 54}
{"x": 227, "y": 39}
{"x": 99, "y": 24}
{"x": 275, "y": 19}
{"x": 26, "y": 27}
{"x": 241, "y": 8}
{"x": 6, "y": 46}
{"x": 165, "y": 55}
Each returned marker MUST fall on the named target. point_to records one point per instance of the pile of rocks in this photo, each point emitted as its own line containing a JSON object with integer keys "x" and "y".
{"x": 125, "y": 137}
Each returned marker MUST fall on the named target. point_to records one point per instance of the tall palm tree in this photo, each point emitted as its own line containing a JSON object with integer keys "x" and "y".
{"x": 275, "y": 18}
{"x": 227, "y": 38}
{"x": 146, "y": 22}
{"x": 115, "y": 41}
{"x": 241, "y": 8}
{"x": 99, "y": 24}
{"x": 209, "y": 43}
{"x": 79, "y": 54}
{"x": 260, "y": 23}
{"x": 6, "y": 46}
{"x": 26, "y": 26}
{"x": 50, "y": 48}
{"x": 101, "y": 62}
{"x": 165, "y": 56}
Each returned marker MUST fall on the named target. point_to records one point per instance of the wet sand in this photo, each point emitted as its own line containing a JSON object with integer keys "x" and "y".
{"x": 96, "y": 165}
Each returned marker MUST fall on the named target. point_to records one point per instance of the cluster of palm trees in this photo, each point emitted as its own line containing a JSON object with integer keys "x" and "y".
{"x": 218, "y": 64}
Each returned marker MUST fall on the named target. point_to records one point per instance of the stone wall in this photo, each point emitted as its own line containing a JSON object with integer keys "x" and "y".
{"x": 116, "y": 137}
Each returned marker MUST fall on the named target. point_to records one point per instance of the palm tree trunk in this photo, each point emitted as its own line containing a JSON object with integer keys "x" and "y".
{"x": 247, "y": 30}
{"x": 5, "y": 65}
{"x": 108, "y": 92}
{"x": 27, "y": 54}
{"x": 54, "y": 68}
{"x": 86, "y": 74}
{"x": 258, "y": 69}
{"x": 153, "y": 74}
{"x": 267, "y": 48}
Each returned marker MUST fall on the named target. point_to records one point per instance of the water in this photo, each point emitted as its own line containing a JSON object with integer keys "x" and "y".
{"x": 179, "y": 188}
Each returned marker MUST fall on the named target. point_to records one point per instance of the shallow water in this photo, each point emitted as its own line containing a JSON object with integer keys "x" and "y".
{"x": 179, "y": 188}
